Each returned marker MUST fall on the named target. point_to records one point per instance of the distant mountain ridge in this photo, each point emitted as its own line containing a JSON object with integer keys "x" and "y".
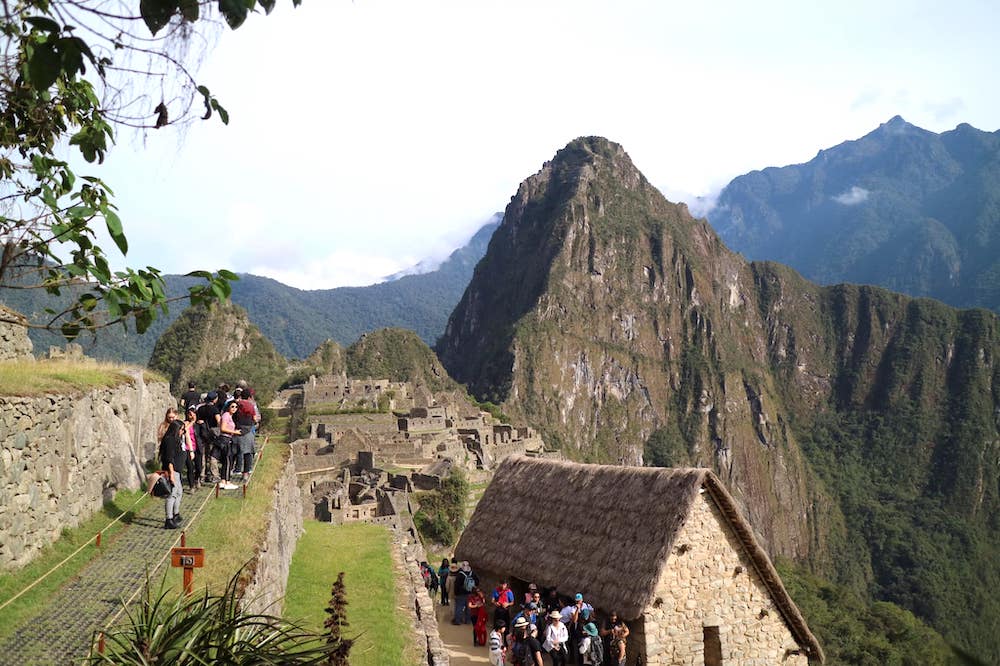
{"x": 297, "y": 321}
{"x": 901, "y": 207}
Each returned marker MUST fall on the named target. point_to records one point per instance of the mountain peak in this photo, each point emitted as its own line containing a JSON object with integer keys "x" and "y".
{"x": 896, "y": 125}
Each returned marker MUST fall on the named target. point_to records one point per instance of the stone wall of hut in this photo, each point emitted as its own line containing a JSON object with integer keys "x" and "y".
{"x": 710, "y": 582}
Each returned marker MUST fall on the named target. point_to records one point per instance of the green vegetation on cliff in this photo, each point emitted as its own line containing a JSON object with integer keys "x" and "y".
{"x": 209, "y": 345}
{"x": 398, "y": 355}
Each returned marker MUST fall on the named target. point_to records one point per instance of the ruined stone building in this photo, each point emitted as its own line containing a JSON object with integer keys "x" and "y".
{"x": 666, "y": 548}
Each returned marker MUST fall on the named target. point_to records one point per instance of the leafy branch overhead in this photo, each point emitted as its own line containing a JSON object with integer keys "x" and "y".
{"x": 70, "y": 79}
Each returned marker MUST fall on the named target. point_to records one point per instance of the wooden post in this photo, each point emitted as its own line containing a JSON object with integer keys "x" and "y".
{"x": 100, "y": 643}
{"x": 244, "y": 491}
{"x": 189, "y": 559}
{"x": 98, "y": 544}
{"x": 183, "y": 538}
{"x": 217, "y": 490}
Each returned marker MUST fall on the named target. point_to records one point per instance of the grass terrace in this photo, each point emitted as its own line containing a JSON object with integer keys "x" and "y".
{"x": 36, "y": 378}
{"x": 374, "y": 607}
{"x": 231, "y": 528}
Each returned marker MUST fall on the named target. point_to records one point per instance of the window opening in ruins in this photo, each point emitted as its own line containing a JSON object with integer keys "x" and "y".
{"x": 713, "y": 647}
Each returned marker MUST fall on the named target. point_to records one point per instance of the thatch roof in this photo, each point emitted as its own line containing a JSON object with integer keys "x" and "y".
{"x": 614, "y": 540}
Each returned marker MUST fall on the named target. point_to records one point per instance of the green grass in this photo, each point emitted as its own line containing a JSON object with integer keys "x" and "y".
{"x": 231, "y": 528}
{"x": 363, "y": 552}
{"x": 12, "y": 583}
{"x": 34, "y": 378}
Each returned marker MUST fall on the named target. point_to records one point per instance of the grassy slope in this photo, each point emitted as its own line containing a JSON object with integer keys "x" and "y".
{"x": 363, "y": 553}
{"x": 34, "y": 378}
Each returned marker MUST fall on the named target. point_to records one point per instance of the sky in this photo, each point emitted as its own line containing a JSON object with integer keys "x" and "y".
{"x": 368, "y": 136}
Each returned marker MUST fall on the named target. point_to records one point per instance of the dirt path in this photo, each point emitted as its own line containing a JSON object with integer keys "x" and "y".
{"x": 458, "y": 640}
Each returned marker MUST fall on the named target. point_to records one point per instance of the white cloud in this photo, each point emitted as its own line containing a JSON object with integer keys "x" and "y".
{"x": 339, "y": 269}
{"x": 852, "y": 197}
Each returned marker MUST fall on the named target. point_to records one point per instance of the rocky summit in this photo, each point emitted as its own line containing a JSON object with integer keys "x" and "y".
{"x": 625, "y": 330}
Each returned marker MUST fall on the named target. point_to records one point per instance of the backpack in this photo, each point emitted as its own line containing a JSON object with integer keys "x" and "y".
{"x": 470, "y": 582}
{"x": 596, "y": 650}
{"x": 519, "y": 653}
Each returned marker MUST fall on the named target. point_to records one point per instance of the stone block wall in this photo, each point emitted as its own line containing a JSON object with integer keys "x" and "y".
{"x": 61, "y": 457}
{"x": 265, "y": 592}
{"x": 710, "y": 582}
{"x": 422, "y": 611}
{"x": 14, "y": 342}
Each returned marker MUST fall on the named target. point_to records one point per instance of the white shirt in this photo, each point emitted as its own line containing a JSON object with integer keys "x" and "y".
{"x": 555, "y": 634}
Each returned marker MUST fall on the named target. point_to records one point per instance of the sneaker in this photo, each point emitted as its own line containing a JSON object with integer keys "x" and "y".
{"x": 229, "y": 486}
{"x": 177, "y": 518}
{"x": 169, "y": 524}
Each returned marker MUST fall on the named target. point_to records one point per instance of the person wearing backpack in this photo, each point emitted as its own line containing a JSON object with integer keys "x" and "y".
{"x": 465, "y": 581}
{"x": 246, "y": 419}
{"x": 503, "y": 599}
{"x": 594, "y": 654}
{"x": 526, "y": 651}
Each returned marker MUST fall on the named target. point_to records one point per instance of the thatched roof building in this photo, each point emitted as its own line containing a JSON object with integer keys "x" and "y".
{"x": 609, "y": 532}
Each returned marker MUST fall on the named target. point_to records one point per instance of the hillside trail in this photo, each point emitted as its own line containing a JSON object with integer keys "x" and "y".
{"x": 60, "y": 630}
{"x": 458, "y": 640}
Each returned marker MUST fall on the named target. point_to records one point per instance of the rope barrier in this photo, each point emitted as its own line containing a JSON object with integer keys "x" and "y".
{"x": 70, "y": 556}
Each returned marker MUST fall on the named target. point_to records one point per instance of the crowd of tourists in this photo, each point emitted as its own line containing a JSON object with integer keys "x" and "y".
{"x": 544, "y": 623}
{"x": 212, "y": 443}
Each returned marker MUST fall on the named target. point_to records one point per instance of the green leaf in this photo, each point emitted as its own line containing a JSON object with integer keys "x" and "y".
{"x": 189, "y": 10}
{"x": 43, "y": 23}
{"x": 199, "y": 274}
{"x": 43, "y": 66}
{"x": 268, "y": 5}
{"x": 115, "y": 229}
{"x": 157, "y": 13}
{"x": 228, "y": 275}
{"x": 70, "y": 330}
{"x": 235, "y": 11}
{"x": 223, "y": 114}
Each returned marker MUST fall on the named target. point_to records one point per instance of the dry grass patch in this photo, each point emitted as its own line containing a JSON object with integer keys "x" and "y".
{"x": 60, "y": 377}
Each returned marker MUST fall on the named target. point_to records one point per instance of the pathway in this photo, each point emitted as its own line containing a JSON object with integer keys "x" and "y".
{"x": 458, "y": 640}
{"x": 62, "y": 629}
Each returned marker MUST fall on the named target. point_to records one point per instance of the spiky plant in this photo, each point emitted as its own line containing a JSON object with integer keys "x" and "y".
{"x": 207, "y": 629}
{"x": 335, "y": 623}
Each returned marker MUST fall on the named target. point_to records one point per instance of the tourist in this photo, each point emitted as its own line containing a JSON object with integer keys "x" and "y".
{"x": 450, "y": 581}
{"x": 443, "y": 580}
{"x": 246, "y": 419}
{"x": 191, "y": 397}
{"x": 591, "y": 649}
{"x": 526, "y": 650}
{"x": 168, "y": 418}
{"x": 209, "y": 418}
{"x": 465, "y": 581}
{"x": 227, "y": 429}
{"x": 171, "y": 460}
{"x": 614, "y": 632}
{"x": 195, "y": 452}
{"x": 556, "y": 636}
{"x": 497, "y": 647}
{"x": 529, "y": 595}
{"x": 503, "y": 599}
{"x": 477, "y": 613}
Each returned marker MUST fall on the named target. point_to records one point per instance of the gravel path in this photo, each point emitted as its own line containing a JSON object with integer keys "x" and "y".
{"x": 61, "y": 630}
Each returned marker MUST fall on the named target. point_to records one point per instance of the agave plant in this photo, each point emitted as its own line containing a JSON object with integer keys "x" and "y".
{"x": 206, "y": 629}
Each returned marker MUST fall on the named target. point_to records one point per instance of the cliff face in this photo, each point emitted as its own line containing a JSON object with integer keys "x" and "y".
{"x": 626, "y": 331}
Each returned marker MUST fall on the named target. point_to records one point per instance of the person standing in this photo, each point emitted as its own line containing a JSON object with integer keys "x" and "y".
{"x": 556, "y": 636}
{"x": 190, "y": 398}
{"x": 172, "y": 459}
{"x": 227, "y": 429}
{"x": 209, "y": 420}
{"x": 195, "y": 458}
{"x": 246, "y": 419}
{"x": 614, "y": 632}
{"x": 442, "y": 573}
{"x": 497, "y": 647}
{"x": 503, "y": 599}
